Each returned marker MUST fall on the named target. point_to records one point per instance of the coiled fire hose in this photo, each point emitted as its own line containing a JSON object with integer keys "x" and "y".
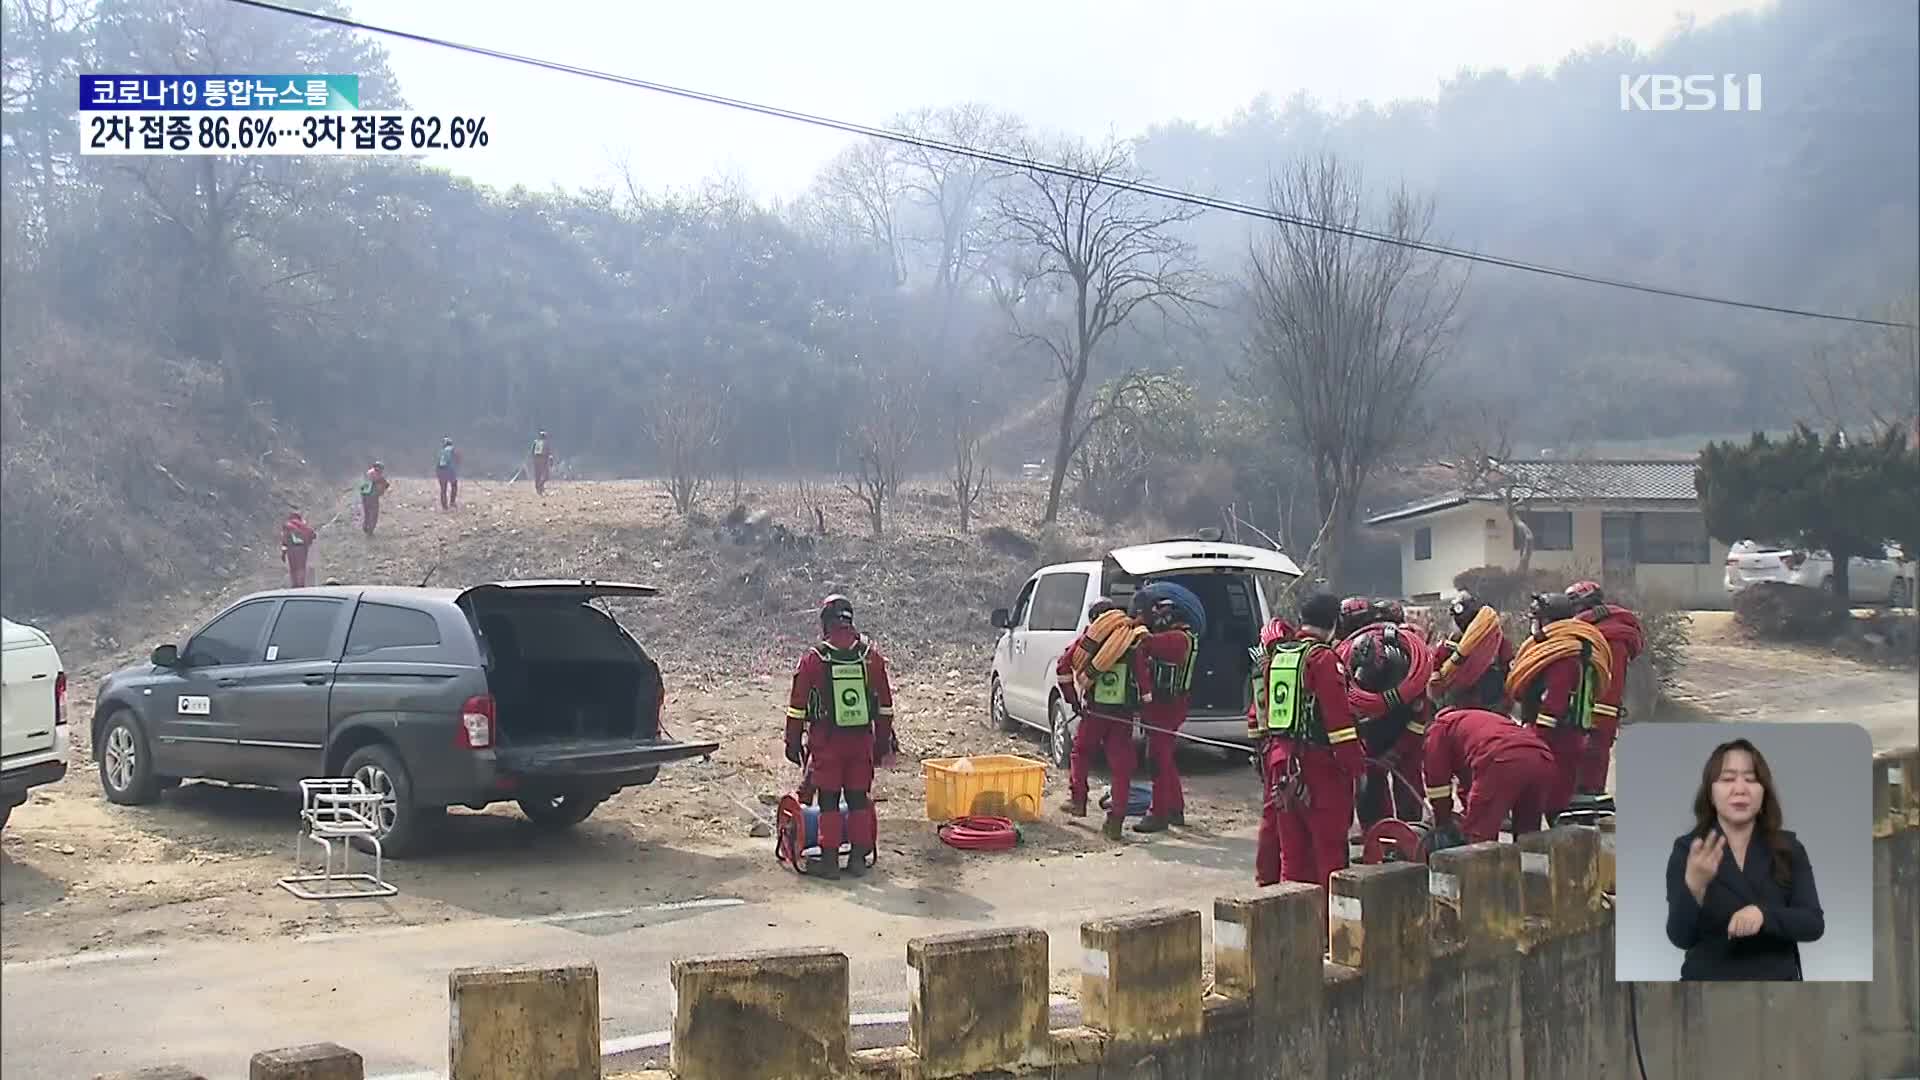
{"x": 1484, "y": 625}
{"x": 1419, "y": 667}
{"x": 980, "y": 833}
{"x": 1558, "y": 641}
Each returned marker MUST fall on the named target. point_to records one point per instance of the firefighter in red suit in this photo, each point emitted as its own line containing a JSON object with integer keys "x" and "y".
{"x": 1546, "y": 705}
{"x": 1392, "y": 716}
{"x": 1625, "y": 640}
{"x": 842, "y": 702}
{"x": 1106, "y": 723}
{"x": 1163, "y": 669}
{"x": 1309, "y": 752}
{"x": 296, "y": 540}
{"x": 1511, "y": 768}
{"x": 1479, "y": 680}
{"x": 373, "y": 487}
{"x": 542, "y": 458}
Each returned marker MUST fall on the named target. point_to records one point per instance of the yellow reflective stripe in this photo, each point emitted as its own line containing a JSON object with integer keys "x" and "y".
{"x": 886, "y": 710}
{"x": 1605, "y": 710}
{"x": 1343, "y": 735}
{"x": 1416, "y": 727}
{"x": 1440, "y": 792}
{"x": 1547, "y": 720}
{"x": 796, "y": 714}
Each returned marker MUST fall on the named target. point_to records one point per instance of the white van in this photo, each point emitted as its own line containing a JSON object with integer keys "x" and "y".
{"x": 1237, "y": 584}
{"x": 33, "y": 715}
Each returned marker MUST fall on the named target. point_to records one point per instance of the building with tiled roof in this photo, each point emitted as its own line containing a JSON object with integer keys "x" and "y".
{"x": 1633, "y": 524}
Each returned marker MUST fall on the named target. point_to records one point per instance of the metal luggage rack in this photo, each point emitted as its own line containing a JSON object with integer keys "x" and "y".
{"x": 337, "y": 809}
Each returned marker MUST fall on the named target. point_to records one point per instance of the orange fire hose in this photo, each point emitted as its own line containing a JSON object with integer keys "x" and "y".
{"x": 1484, "y": 625}
{"x": 1557, "y": 642}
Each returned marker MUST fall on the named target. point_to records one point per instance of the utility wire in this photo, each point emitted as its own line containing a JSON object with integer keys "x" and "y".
{"x": 1050, "y": 168}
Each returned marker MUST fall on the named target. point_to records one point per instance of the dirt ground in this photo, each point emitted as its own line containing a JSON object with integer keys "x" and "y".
{"x": 78, "y": 873}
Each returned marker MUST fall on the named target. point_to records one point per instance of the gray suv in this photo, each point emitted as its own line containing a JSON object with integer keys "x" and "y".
{"x": 514, "y": 690}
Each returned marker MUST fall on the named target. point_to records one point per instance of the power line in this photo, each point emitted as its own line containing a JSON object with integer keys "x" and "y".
{"x": 1054, "y": 169}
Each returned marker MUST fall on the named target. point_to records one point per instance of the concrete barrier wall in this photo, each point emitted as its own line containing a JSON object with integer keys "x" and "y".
{"x": 1496, "y": 960}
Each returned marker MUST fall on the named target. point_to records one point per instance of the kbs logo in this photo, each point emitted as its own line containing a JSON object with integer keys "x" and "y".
{"x": 1689, "y": 93}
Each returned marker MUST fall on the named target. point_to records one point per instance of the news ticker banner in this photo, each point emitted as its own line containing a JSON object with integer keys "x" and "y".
{"x": 289, "y": 115}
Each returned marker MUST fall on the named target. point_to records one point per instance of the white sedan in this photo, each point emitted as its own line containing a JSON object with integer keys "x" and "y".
{"x": 1887, "y": 579}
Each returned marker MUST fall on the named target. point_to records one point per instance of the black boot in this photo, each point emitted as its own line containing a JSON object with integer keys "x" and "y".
{"x": 857, "y": 862}
{"x": 1112, "y": 828}
{"x": 1178, "y": 818}
{"x": 1150, "y": 824}
{"x": 824, "y": 867}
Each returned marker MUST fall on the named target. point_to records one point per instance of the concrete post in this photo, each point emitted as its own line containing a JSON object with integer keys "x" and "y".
{"x": 1889, "y": 811}
{"x": 1378, "y": 919}
{"x": 1904, "y": 775}
{"x": 978, "y": 1001}
{"x": 1560, "y": 877}
{"x": 1269, "y": 947}
{"x": 1476, "y": 898}
{"x": 524, "y": 1023}
{"x": 780, "y": 1015}
{"x": 1140, "y": 976}
{"x": 158, "y": 1072}
{"x": 319, "y": 1061}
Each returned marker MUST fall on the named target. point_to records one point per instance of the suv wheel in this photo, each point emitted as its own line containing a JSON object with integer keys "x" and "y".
{"x": 559, "y": 811}
{"x": 402, "y": 824}
{"x": 1062, "y": 725}
{"x": 126, "y": 767}
{"x": 997, "y": 708}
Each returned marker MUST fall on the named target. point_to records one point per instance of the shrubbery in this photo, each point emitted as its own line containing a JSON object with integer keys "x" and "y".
{"x": 1781, "y": 612}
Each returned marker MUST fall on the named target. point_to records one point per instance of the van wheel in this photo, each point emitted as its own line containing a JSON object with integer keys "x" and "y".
{"x": 1061, "y": 727}
{"x": 997, "y": 708}
{"x": 559, "y": 811}
{"x": 126, "y": 765}
{"x": 403, "y": 826}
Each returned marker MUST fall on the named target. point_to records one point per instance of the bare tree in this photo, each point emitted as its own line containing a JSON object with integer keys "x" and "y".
{"x": 1088, "y": 253}
{"x": 685, "y": 422}
{"x": 1871, "y": 381}
{"x": 883, "y": 437}
{"x": 967, "y": 467}
{"x": 858, "y": 195}
{"x": 950, "y": 191}
{"x": 1346, "y": 332}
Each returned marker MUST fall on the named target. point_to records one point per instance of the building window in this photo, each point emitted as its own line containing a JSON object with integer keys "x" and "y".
{"x": 1552, "y": 530}
{"x": 1422, "y": 545}
{"x": 1672, "y": 539}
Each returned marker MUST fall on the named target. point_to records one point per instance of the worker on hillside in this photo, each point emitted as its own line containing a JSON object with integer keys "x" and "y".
{"x": 373, "y": 486}
{"x": 1163, "y": 669}
{"x": 542, "y": 457}
{"x": 1390, "y": 663}
{"x": 296, "y": 539}
{"x": 1096, "y": 679}
{"x": 842, "y": 704}
{"x": 1626, "y": 640}
{"x": 1553, "y": 681}
{"x": 1510, "y": 767}
{"x": 1310, "y": 754}
{"x": 1470, "y": 667}
{"x": 446, "y": 469}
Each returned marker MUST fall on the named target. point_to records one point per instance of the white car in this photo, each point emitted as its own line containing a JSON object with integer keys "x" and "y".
{"x": 1888, "y": 579}
{"x": 33, "y": 715}
{"x": 1235, "y": 582}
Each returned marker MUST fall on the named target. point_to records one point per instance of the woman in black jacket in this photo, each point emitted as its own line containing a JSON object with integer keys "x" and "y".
{"x": 1740, "y": 891}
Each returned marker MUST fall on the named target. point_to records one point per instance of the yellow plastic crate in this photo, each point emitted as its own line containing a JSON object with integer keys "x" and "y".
{"x": 995, "y": 785}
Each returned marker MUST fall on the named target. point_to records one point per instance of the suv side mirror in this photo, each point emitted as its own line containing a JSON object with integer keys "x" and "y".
{"x": 166, "y": 656}
{"x": 1000, "y": 619}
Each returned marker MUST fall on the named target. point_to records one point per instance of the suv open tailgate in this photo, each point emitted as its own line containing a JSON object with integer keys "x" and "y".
{"x": 594, "y": 759}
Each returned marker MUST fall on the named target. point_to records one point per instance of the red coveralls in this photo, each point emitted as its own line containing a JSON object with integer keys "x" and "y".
{"x": 1369, "y": 709}
{"x": 374, "y": 486}
{"x": 1555, "y": 689}
{"x": 1625, "y": 640}
{"x": 449, "y": 477}
{"x": 542, "y": 463}
{"x": 1171, "y": 647}
{"x": 1480, "y": 680}
{"x": 1099, "y": 728}
{"x": 841, "y": 759}
{"x": 296, "y": 537}
{"x": 1511, "y": 767}
{"x": 1308, "y": 843}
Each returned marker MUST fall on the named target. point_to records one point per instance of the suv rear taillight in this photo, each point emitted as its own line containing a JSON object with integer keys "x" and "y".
{"x": 60, "y": 698}
{"x": 476, "y": 723}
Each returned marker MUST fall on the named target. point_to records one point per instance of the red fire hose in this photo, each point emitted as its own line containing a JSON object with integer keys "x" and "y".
{"x": 975, "y": 833}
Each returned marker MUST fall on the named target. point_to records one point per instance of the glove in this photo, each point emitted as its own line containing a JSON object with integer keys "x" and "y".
{"x": 795, "y": 752}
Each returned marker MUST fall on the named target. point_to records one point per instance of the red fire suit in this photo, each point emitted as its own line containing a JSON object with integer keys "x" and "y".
{"x": 1625, "y": 640}
{"x": 1172, "y": 648}
{"x": 1511, "y": 767}
{"x": 449, "y": 477}
{"x": 1480, "y": 679}
{"x": 372, "y": 487}
{"x": 296, "y": 539}
{"x": 1395, "y": 789}
{"x": 1544, "y": 706}
{"x": 1102, "y": 727}
{"x": 1308, "y": 843}
{"x": 841, "y": 758}
{"x": 542, "y": 463}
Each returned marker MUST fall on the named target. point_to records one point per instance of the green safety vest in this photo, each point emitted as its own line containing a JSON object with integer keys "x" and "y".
{"x": 539, "y": 447}
{"x": 446, "y": 457}
{"x": 1175, "y": 680}
{"x": 366, "y": 485}
{"x": 1115, "y": 688}
{"x": 1580, "y": 708}
{"x": 851, "y": 703}
{"x": 1291, "y": 710}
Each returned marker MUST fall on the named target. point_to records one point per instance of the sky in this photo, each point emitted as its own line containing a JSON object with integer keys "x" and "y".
{"x": 1077, "y": 66}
